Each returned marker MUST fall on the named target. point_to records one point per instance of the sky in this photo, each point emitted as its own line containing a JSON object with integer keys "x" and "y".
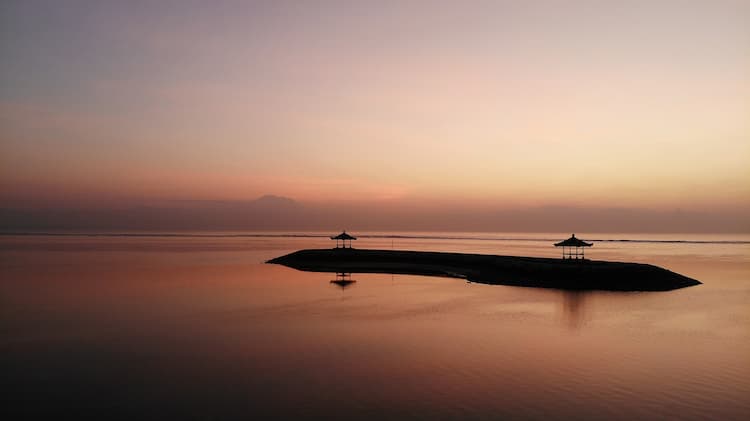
{"x": 406, "y": 106}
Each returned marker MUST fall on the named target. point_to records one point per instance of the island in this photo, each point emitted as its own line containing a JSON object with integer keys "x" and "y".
{"x": 571, "y": 274}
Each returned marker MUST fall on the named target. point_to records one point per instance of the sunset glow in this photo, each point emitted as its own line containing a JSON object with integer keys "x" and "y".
{"x": 490, "y": 105}
{"x": 375, "y": 210}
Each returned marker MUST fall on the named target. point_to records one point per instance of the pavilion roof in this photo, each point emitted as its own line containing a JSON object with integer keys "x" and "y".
{"x": 573, "y": 242}
{"x": 343, "y": 236}
{"x": 344, "y": 283}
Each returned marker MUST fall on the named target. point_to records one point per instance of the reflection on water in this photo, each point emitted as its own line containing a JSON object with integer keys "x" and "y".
{"x": 201, "y": 328}
{"x": 574, "y": 308}
{"x": 343, "y": 280}
{"x": 572, "y": 303}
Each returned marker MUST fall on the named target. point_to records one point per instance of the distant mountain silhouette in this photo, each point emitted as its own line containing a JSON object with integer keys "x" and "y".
{"x": 271, "y": 212}
{"x": 272, "y": 201}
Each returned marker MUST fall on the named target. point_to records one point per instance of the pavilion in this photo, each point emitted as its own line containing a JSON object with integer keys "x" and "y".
{"x": 343, "y": 279}
{"x": 573, "y": 247}
{"x": 342, "y": 238}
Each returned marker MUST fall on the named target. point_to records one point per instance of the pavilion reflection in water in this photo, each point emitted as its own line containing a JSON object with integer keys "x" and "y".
{"x": 574, "y": 310}
{"x": 573, "y": 303}
{"x": 343, "y": 280}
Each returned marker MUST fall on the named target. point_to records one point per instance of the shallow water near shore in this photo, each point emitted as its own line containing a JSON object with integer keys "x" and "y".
{"x": 199, "y": 327}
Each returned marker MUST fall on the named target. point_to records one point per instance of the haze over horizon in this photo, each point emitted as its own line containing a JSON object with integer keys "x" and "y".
{"x": 484, "y": 116}
{"x": 274, "y": 213}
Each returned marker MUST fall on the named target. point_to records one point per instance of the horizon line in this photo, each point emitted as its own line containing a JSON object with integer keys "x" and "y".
{"x": 314, "y": 234}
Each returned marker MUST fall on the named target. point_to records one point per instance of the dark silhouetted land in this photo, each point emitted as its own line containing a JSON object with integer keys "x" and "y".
{"x": 489, "y": 269}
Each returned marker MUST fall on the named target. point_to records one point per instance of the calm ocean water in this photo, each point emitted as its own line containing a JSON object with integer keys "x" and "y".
{"x": 198, "y": 327}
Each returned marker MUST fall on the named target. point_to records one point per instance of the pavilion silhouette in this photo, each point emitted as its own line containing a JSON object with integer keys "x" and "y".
{"x": 573, "y": 248}
{"x": 341, "y": 240}
{"x": 343, "y": 280}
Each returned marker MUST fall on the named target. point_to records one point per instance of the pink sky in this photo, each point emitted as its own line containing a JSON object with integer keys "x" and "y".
{"x": 487, "y": 104}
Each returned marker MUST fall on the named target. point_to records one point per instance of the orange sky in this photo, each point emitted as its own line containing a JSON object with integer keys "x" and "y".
{"x": 489, "y": 104}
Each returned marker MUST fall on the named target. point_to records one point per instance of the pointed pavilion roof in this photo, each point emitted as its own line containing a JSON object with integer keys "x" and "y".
{"x": 343, "y": 236}
{"x": 342, "y": 283}
{"x": 573, "y": 242}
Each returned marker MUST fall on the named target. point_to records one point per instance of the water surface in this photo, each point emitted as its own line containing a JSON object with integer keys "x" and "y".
{"x": 200, "y": 327}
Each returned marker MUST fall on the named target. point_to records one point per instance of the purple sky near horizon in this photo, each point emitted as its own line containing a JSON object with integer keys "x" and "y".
{"x": 478, "y": 105}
